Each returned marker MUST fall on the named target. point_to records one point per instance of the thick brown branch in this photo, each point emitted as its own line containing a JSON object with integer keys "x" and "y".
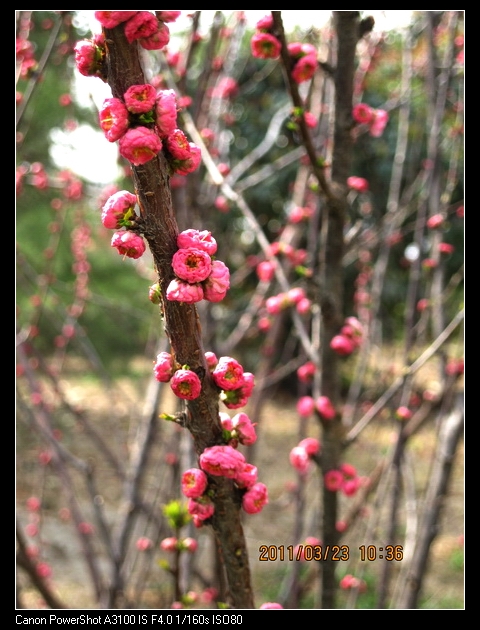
{"x": 182, "y": 325}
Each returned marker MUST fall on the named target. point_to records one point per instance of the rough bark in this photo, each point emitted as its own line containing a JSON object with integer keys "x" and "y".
{"x": 182, "y": 325}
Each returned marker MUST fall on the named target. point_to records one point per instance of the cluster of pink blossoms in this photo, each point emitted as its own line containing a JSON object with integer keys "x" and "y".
{"x": 264, "y": 45}
{"x": 184, "y": 382}
{"x": 375, "y": 119}
{"x": 198, "y": 275}
{"x": 344, "y": 479}
{"x": 119, "y": 212}
{"x": 349, "y": 338}
{"x": 306, "y": 405}
{"x": 235, "y": 384}
{"x": 144, "y": 121}
{"x": 224, "y": 461}
{"x": 294, "y": 297}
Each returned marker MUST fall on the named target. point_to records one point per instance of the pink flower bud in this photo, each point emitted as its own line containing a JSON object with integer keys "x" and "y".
{"x": 271, "y": 606}
{"x": 181, "y": 291}
{"x": 358, "y": 183}
{"x": 189, "y": 544}
{"x": 113, "y": 117}
{"x": 141, "y": 25}
{"x": 325, "y": 408}
{"x": 139, "y": 145}
{"x": 222, "y": 461}
{"x": 217, "y": 284}
{"x": 143, "y": 544}
{"x": 247, "y": 477}
{"x": 157, "y": 40}
{"x": 168, "y": 16}
{"x": 435, "y": 221}
{"x": 197, "y": 239}
{"x": 201, "y": 509}
{"x": 88, "y": 58}
{"x": 342, "y": 345}
{"x": 403, "y": 413}
{"x": 111, "y": 19}
{"x": 169, "y": 544}
{"x": 255, "y": 498}
{"x": 128, "y": 244}
{"x": 299, "y": 459}
{"x": 266, "y": 270}
{"x": 305, "y": 406}
{"x": 186, "y": 384}
{"x": 116, "y": 207}
{"x": 164, "y": 367}
{"x": 177, "y": 145}
{"x": 166, "y": 112}
{"x": 211, "y": 359}
{"x": 311, "y": 446}
{"x": 194, "y": 483}
{"x": 377, "y": 126}
{"x": 306, "y": 371}
{"x": 244, "y": 428}
{"x": 184, "y": 167}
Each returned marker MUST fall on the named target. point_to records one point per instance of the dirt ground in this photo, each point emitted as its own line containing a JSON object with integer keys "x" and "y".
{"x": 277, "y": 526}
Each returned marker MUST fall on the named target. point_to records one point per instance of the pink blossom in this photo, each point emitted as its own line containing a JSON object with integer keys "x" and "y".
{"x": 88, "y": 58}
{"x": 217, "y": 284}
{"x": 181, "y": 291}
{"x": 164, "y": 367}
{"x": 349, "y": 581}
{"x": 247, "y": 477}
{"x": 296, "y": 294}
{"x": 228, "y": 373}
{"x": 255, "y": 498}
{"x": 299, "y": 459}
{"x": 199, "y": 239}
{"x": 305, "y": 68}
{"x": 377, "y": 126}
{"x": 310, "y": 120}
{"x": 194, "y": 483}
{"x": 184, "y": 167}
{"x": 211, "y": 359}
{"x": 265, "y": 23}
{"x": 166, "y": 112}
{"x": 266, "y": 270}
{"x": 143, "y": 544}
{"x": 342, "y": 345}
{"x": 222, "y": 460}
{"x": 169, "y": 544}
{"x": 271, "y": 606}
{"x": 325, "y": 408}
{"x": 226, "y": 88}
{"x": 305, "y": 406}
{"x": 110, "y": 19}
{"x": 221, "y": 203}
{"x": 141, "y": 25}
{"x": 435, "y": 221}
{"x": 277, "y": 303}
{"x": 177, "y": 144}
{"x": 189, "y": 544}
{"x": 363, "y": 113}
{"x": 139, "y": 145}
{"x": 360, "y": 184}
{"x": 225, "y": 421}
{"x": 333, "y": 480}
{"x": 201, "y": 509}
{"x": 191, "y": 264}
{"x": 244, "y": 428}
{"x": 113, "y": 118}
{"x": 168, "y": 16}
{"x": 311, "y": 446}
{"x": 44, "y": 570}
{"x": 128, "y": 244}
{"x": 446, "y": 248}
{"x": 116, "y": 208}
{"x": 403, "y": 413}
{"x": 186, "y": 384}
{"x": 157, "y": 40}
{"x": 349, "y": 471}
{"x": 33, "y": 504}
{"x": 140, "y": 98}
{"x": 306, "y": 371}
{"x": 265, "y": 46}
{"x": 350, "y": 486}
{"x": 303, "y": 306}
